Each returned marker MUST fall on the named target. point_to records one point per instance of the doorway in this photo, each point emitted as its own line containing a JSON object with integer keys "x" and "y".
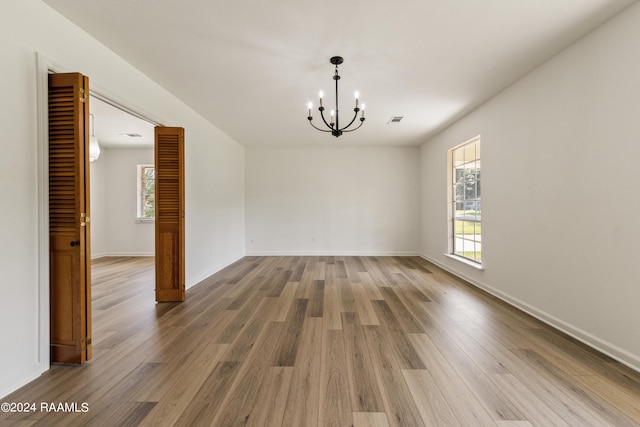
{"x": 142, "y": 176}
{"x": 121, "y": 183}
{"x": 122, "y": 232}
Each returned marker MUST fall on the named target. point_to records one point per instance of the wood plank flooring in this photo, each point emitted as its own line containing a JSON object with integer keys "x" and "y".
{"x": 325, "y": 341}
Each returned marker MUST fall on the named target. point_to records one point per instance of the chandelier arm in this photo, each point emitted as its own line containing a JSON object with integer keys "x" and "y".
{"x": 355, "y": 116}
{"x": 351, "y": 130}
{"x": 316, "y": 127}
{"x": 324, "y": 120}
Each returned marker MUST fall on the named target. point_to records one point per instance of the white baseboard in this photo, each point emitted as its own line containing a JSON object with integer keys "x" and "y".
{"x": 98, "y": 256}
{"x": 201, "y": 277}
{"x": 122, "y": 254}
{"x": 621, "y": 355}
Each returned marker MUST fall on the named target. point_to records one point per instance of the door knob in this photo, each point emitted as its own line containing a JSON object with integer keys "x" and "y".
{"x": 77, "y": 242}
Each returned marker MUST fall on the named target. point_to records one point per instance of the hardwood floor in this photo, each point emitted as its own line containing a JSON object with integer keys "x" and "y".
{"x": 306, "y": 341}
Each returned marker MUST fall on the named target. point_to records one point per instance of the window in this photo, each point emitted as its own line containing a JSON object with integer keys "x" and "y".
{"x": 146, "y": 192}
{"x": 466, "y": 209}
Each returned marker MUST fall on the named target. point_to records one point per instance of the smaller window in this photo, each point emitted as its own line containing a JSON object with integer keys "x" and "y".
{"x": 146, "y": 209}
{"x": 465, "y": 201}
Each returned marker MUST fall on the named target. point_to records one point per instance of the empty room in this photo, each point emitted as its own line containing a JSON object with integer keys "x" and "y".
{"x": 342, "y": 213}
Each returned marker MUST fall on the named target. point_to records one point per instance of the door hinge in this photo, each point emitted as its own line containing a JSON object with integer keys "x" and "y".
{"x": 83, "y": 96}
{"x": 83, "y": 221}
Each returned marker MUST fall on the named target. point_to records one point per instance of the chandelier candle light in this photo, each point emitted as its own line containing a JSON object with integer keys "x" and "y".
{"x": 334, "y": 124}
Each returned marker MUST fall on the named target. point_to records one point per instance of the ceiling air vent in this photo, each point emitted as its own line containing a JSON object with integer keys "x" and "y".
{"x": 394, "y": 119}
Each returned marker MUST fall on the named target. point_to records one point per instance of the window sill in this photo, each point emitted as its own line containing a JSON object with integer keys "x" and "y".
{"x": 465, "y": 261}
{"x": 145, "y": 220}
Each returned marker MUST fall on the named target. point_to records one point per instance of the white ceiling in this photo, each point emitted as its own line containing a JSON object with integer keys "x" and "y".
{"x": 250, "y": 67}
{"x": 115, "y": 128}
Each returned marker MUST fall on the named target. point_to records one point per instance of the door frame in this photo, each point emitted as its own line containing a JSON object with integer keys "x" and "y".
{"x": 45, "y": 66}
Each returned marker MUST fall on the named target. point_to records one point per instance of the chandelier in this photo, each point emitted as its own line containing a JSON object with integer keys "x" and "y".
{"x": 333, "y": 125}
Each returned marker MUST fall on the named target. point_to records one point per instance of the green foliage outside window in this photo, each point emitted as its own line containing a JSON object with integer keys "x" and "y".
{"x": 147, "y": 193}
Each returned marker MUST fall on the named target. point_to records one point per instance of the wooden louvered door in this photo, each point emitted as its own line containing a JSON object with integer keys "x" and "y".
{"x": 169, "y": 203}
{"x": 69, "y": 239}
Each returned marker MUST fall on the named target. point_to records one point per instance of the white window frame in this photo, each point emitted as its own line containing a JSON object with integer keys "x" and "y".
{"x": 465, "y": 246}
{"x": 140, "y": 194}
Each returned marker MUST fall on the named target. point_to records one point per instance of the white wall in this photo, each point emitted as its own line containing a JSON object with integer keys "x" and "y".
{"x": 98, "y": 207}
{"x": 332, "y": 200}
{"x": 115, "y": 231}
{"x": 560, "y": 152}
{"x": 214, "y": 173}
{"x": 126, "y": 237}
